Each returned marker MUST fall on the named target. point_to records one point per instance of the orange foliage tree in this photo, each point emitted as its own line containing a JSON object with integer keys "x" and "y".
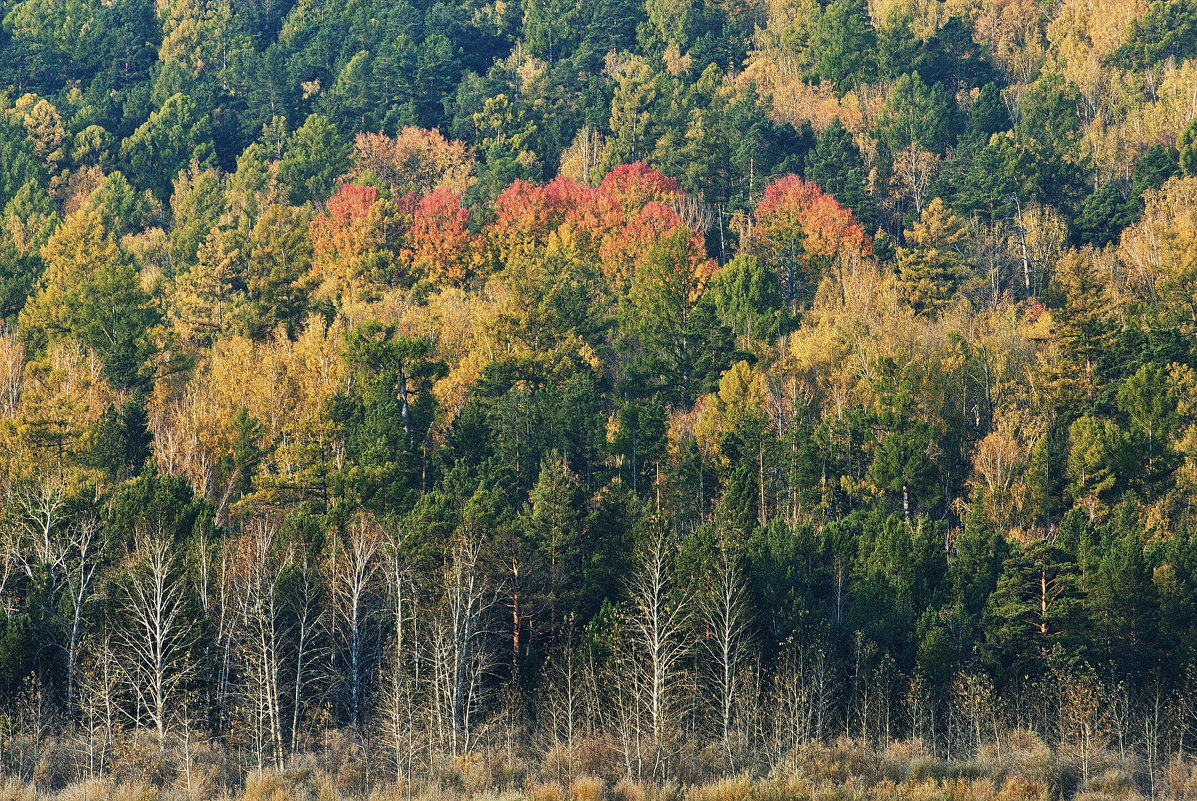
{"x": 636, "y": 185}
{"x": 438, "y": 244}
{"x": 353, "y": 242}
{"x": 801, "y": 232}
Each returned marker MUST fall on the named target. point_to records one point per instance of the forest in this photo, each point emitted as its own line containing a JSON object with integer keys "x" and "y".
{"x": 624, "y": 400}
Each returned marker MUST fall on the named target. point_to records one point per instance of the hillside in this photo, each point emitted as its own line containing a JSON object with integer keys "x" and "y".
{"x": 608, "y": 401}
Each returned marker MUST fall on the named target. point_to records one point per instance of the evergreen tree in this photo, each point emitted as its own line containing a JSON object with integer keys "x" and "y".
{"x": 171, "y": 138}
{"x": 1035, "y": 616}
{"x": 315, "y": 155}
{"x": 837, "y": 167}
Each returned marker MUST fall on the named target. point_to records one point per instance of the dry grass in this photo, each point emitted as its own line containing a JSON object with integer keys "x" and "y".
{"x": 545, "y": 791}
{"x": 732, "y": 788}
{"x": 1019, "y": 767}
{"x": 588, "y": 788}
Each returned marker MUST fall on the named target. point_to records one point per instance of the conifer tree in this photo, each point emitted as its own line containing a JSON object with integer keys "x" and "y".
{"x": 932, "y": 266}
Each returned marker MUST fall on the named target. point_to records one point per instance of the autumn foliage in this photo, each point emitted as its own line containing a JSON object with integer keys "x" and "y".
{"x": 801, "y": 231}
{"x": 438, "y": 243}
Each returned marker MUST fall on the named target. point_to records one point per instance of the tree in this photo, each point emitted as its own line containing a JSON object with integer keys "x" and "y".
{"x": 904, "y": 469}
{"x": 658, "y": 616}
{"x": 841, "y": 45}
{"x": 663, "y": 311}
{"x": 260, "y": 633}
{"x": 313, "y": 157}
{"x": 354, "y": 243}
{"x": 631, "y": 113}
{"x": 123, "y": 209}
{"x": 1103, "y": 215}
{"x": 932, "y": 267}
{"x": 416, "y": 160}
{"x": 438, "y": 244}
{"x": 1034, "y": 614}
{"x": 915, "y": 114}
{"x": 1125, "y": 603}
{"x": 355, "y": 583}
{"x": 988, "y": 113}
{"x": 505, "y": 134}
{"x": 802, "y": 233}
{"x": 121, "y": 442}
{"x": 459, "y": 634}
{"x": 46, "y": 131}
{"x": 437, "y": 68}
{"x": 173, "y": 136}
{"x": 196, "y": 205}
{"x": 1150, "y": 406}
{"x": 158, "y": 630}
{"x": 29, "y": 220}
{"x": 1168, "y": 28}
{"x": 1161, "y": 249}
{"x": 747, "y": 297}
{"x": 837, "y": 167}
{"x": 91, "y": 292}
{"x": 1097, "y": 454}
{"x": 554, "y": 528}
{"x": 384, "y": 416}
{"x": 1186, "y": 146}
{"x": 276, "y": 291}
{"x": 725, "y": 612}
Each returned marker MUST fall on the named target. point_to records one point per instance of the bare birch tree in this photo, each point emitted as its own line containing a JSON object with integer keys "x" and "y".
{"x": 402, "y": 669}
{"x": 99, "y": 696}
{"x": 459, "y": 638}
{"x": 725, "y": 617}
{"x": 260, "y": 646}
{"x": 155, "y": 640}
{"x": 355, "y": 577}
{"x": 659, "y": 618}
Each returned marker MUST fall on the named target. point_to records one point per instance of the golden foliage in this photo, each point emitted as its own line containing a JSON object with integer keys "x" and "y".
{"x": 416, "y": 160}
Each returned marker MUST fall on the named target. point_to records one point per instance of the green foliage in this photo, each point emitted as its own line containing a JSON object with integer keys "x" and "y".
{"x": 275, "y": 289}
{"x": 932, "y": 268}
{"x": 837, "y": 167}
{"x": 674, "y": 338}
{"x": 1035, "y": 617}
{"x": 841, "y": 44}
{"x": 1103, "y": 215}
{"x": 121, "y": 444}
{"x": 1186, "y": 147}
{"x": 747, "y": 298}
{"x": 385, "y": 418}
{"x": 988, "y": 114}
{"x": 174, "y": 135}
{"x": 315, "y": 155}
{"x": 1168, "y": 29}
{"x": 915, "y": 114}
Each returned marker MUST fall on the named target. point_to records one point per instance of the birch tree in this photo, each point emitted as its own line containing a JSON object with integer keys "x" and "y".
{"x": 157, "y": 632}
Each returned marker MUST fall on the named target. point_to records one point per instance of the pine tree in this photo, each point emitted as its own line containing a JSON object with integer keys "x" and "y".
{"x": 1035, "y": 614}
{"x": 837, "y": 167}
{"x": 168, "y": 141}
{"x": 314, "y": 156}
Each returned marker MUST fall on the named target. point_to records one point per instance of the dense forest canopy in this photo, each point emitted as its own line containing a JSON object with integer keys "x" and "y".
{"x": 685, "y": 381}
